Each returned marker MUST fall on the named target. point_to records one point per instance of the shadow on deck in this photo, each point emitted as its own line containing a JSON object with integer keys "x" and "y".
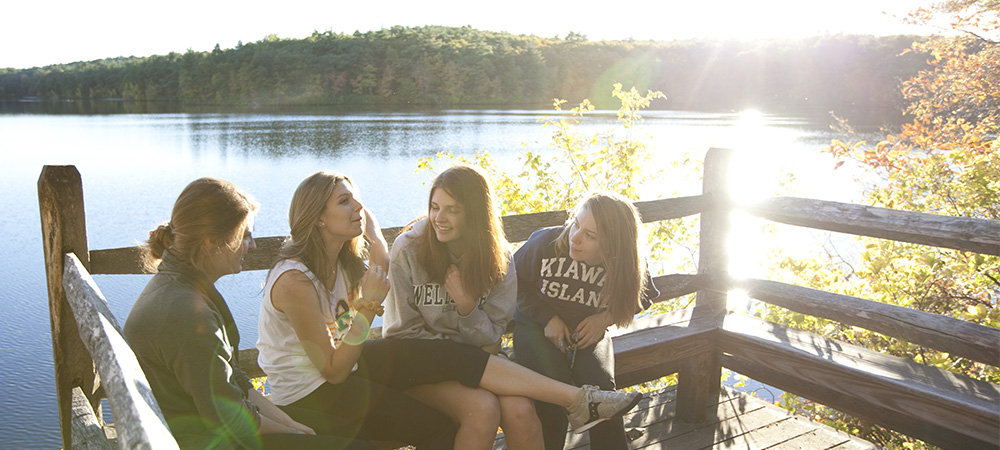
{"x": 737, "y": 421}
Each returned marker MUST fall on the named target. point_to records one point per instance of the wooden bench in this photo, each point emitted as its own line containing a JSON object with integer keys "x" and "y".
{"x": 939, "y": 407}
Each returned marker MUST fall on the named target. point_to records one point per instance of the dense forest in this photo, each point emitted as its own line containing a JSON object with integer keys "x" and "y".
{"x": 448, "y": 66}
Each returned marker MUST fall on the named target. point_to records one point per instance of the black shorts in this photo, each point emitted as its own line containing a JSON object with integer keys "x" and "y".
{"x": 404, "y": 363}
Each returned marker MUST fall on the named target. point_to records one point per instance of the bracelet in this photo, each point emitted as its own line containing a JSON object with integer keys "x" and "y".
{"x": 363, "y": 303}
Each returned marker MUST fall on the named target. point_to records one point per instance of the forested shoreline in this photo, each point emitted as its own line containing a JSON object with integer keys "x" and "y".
{"x": 448, "y": 66}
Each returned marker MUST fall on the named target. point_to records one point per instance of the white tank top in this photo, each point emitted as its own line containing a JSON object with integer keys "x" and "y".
{"x": 289, "y": 371}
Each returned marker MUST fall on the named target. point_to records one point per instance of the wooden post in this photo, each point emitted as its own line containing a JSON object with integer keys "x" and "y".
{"x": 64, "y": 230}
{"x": 699, "y": 379}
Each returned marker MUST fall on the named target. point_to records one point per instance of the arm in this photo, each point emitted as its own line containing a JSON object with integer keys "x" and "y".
{"x": 378, "y": 251}
{"x": 294, "y": 295}
{"x": 402, "y": 319}
{"x": 273, "y": 419}
{"x": 198, "y": 355}
{"x": 485, "y": 325}
{"x": 650, "y": 293}
{"x": 592, "y": 328}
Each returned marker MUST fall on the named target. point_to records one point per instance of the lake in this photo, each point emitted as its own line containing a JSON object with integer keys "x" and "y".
{"x": 133, "y": 166}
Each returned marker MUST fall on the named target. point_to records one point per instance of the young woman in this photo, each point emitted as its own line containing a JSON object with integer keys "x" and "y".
{"x": 574, "y": 282}
{"x": 184, "y": 336}
{"x": 319, "y": 300}
{"x": 452, "y": 278}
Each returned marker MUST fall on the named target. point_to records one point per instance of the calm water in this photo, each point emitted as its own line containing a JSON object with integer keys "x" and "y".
{"x": 134, "y": 165}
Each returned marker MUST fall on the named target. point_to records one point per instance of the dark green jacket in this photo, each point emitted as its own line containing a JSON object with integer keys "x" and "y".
{"x": 183, "y": 335}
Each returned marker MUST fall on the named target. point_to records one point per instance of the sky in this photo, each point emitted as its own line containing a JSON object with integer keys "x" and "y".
{"x": 62, "y": 31}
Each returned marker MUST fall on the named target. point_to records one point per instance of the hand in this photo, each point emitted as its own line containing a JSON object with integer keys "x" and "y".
{"x": 269, "y": 426}
{"x": 558, "y": 333}
{"x": 300, "y": 427}
{"x": 492, "y": 348}
{"x": 456, "y": 290}
{"x": 591, "y": 330}
{"x": 375, "y": 284}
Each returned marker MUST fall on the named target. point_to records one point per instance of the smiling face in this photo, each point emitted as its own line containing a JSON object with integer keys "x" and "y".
{"x": 343, "y": 216}
{"x": 447, "y": 216}
{"x": 584, "y": 239}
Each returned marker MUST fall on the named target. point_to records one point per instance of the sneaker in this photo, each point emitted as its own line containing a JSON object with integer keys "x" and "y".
{"x": 598, "y": 406}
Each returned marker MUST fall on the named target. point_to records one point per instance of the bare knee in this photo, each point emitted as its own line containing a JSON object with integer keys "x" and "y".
{"x": 482, "y": 412}
{"x": 518, "y": 412}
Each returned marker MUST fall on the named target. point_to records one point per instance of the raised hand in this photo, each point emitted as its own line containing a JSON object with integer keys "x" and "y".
{"x": 465, "y": 301}
{"x": 375, "y": 284}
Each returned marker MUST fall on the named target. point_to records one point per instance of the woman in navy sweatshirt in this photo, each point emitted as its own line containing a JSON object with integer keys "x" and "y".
{"x": 574, "y": 282}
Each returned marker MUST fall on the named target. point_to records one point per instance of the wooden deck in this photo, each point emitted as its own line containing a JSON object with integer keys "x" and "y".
{"x": 737, "y": 422}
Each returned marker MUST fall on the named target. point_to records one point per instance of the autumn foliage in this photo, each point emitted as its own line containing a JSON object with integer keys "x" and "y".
{"x": 944, "y": 160}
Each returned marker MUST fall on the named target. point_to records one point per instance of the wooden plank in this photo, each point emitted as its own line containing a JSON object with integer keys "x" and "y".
{"x": 138, "y": 419}
{"x": 661, "y": 345}
{"x": 724, "y": 425}
{"x": 766, "y": 435}
{"x": 960, "y": 233}
{"x": 939, "y": 407}
{"x": 64, "y": 230}
{"x": 87, "y": 430}
{"x": 678, "y": 285}
{"x": 672, "y": 208}
{"x": 128, "y": 260}
{"x": 699, "y": 379}
{"x": 948, "y": 334}
{"x": 813, "y": 438}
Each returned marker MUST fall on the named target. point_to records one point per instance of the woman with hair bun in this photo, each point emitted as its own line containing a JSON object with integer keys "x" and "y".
{"x": 184, "y": 335}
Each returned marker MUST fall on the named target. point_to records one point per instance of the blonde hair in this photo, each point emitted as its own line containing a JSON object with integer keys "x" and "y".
{"x": 619, "y": 229}
{"x": 484, "y": 258}
{"x": 306, "y": 240}
{"x": 208, "y": 211}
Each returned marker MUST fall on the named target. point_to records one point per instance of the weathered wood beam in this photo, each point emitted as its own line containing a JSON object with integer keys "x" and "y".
{"x": 940, "y": 407}
{"x": 660, "y": 345}
{"x": 64, "y": 230}
{"x": 88, "y": 434}
{"x": 128, "y": 260}
{"x": 699, "y": 380}
{"x": 138, "y": 420}
{"x": 948, "y": 334}
{"x": 960, "y": 233}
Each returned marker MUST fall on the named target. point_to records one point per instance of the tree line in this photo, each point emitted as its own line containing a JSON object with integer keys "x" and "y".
{"x": 448, "y": 66}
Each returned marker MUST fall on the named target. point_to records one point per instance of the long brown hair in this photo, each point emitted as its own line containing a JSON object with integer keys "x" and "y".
{"x": 306, "y": 240}
{"x": 484, "y": 255}
{"x": 209, "y": 211}
{"x": 619, "y": 230}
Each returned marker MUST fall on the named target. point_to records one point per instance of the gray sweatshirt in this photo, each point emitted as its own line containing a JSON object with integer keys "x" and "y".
{"x": 419, "y": 308}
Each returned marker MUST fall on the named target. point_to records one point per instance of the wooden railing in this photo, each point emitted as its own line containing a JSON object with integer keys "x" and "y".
{"x": 939, "y": 407}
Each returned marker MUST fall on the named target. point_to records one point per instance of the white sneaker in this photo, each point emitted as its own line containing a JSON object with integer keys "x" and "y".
{"x": 598, "y": 406}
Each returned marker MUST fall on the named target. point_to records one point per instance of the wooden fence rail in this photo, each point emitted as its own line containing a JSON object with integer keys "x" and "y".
{"x": 940, "y": 407}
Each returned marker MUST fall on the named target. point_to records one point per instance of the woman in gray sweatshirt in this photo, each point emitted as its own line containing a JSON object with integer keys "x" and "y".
{"x": 452, "y": 277}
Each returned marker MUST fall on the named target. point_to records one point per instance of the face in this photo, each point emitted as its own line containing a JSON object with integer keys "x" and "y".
{"x": 230, "y": 260}
{"x": 447, "y": 216}
{"x": 584, "y": 240}
{"x": 343, "y": 216}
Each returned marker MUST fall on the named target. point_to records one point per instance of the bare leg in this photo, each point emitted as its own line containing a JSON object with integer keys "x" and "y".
{"x": 505, "y": 377}
{"x": 521, "y": 428}
{"x": 477, "y": 411}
